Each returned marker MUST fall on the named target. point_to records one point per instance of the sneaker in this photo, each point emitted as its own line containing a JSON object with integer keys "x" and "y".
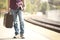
{"x": 16, "y": 36}
{"x": 22, "y": 37}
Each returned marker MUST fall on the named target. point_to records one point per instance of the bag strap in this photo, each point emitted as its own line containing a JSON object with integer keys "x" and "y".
{"x": 9, "y": 7}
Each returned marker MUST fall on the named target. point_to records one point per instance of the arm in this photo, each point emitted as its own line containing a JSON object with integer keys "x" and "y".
{"x": 23, "y": 3}
{"x": 20, "y": 4}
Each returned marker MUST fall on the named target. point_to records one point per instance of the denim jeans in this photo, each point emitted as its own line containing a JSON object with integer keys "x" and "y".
{"x": 21, "y": 20}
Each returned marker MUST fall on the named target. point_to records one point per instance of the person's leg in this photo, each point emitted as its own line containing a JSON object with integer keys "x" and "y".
{"x": 21, "y": 19}
{"x": 15, "y": 21}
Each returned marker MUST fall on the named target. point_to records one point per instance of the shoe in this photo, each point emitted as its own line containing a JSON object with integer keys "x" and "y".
{"x": 14, "y": 37}
{"x": 22, "y": 37}
{"x": 17, "y": 36}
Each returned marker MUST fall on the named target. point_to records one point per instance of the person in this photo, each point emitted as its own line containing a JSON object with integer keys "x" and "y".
{"x": 16, "y": 8}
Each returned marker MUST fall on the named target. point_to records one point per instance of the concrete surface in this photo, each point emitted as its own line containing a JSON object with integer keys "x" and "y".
{"x": 32, "y": 32}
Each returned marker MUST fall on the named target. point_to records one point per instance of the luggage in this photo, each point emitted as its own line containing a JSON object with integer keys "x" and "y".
{"x": 8, "y": 20}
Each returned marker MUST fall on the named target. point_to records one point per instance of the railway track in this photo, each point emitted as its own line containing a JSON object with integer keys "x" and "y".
{"x": 48, "y": 24}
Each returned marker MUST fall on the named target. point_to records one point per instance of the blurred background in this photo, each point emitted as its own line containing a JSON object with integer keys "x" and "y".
{"x": 43, "y": 7}
{"x": 34, "y": 6}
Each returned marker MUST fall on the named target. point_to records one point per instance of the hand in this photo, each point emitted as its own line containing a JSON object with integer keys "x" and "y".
{"x": 20, "y": 4}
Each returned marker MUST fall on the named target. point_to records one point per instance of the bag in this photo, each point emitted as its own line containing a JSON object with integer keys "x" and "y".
{"x": 8, "y": 20}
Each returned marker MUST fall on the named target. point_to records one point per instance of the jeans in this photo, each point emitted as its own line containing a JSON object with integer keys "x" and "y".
{"x": 21, "y": 20}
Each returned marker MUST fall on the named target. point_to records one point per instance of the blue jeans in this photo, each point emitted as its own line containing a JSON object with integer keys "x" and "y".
{"x": 21, "y": 20}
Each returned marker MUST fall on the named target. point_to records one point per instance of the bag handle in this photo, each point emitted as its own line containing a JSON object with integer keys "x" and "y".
{"x": 9, "y": 7}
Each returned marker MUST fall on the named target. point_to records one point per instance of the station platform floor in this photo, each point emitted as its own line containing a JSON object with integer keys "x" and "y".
{"x": 32, "y": 32}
